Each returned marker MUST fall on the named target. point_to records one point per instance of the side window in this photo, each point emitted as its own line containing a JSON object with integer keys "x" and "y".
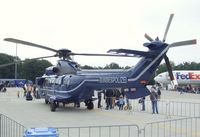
{"x": 66, "y": 81}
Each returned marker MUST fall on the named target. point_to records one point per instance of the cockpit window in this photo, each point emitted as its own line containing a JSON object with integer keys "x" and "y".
{"x": 49, "y": 81}
{"x": 58, "y": 81}
{"x": 66, "y": 81}
{"x": 75, "y": 65}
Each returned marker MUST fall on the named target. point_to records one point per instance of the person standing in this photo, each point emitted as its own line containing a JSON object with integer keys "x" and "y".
{"x": 159, "y": 92}
{"x": 29, "y": 92}
{"x": 29, "y": 89}
{"x": 99, "y": 99}
{"x": 109, "y": 94}
{"x": 143, "y": 103}
{"x": 154, "y": 100}
{"x": 25, "y": 89}
{"x": 18, "y": 93}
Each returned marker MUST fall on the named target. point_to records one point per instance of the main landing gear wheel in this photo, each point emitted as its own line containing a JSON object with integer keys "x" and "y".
{"x": 90, "y": 105}
{"x": 46, "y": 101}
{"x": 53, "y": 106}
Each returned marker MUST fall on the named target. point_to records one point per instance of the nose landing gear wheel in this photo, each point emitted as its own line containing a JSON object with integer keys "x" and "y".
{"x": 46, "y": 101}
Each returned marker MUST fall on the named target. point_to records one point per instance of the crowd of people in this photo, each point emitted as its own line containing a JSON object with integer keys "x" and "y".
{"x": 29, "y": 91}
{"x": 117, "y": 98}
{"x": 188, "y": 89}
{"x": 113, "y": 98}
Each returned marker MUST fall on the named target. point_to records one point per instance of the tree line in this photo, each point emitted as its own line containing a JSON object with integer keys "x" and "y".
{"x": 30, "y": 69}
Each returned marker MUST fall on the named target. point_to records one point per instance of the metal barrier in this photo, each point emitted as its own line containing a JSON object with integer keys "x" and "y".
{"x": 184, "y": 127}
{"x": 186, "y": 109}
{"x": 99, "y": 131}
{"x": 170, "y": 108}
{"x": 10, "y": 128}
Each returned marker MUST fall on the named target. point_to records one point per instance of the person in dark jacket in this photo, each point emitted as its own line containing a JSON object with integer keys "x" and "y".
{"x": 142, "y": 101}
{"x": 99, "y": 99}
{"x": 109, "y": 94}
{"x": 154, "y": 100}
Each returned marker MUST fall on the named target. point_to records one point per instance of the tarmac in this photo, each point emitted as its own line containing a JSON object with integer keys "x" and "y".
{"x": 36, "y": 113}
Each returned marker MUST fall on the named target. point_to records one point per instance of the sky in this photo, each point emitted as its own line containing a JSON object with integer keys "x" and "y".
{"x": 96, "y": 26}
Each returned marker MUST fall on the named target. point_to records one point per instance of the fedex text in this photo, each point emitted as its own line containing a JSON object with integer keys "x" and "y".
{"x": 189, "y": 75}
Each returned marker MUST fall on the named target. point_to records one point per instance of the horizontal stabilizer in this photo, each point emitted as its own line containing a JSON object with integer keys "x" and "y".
{"x": 183, "y": 43}
{"x": 134, "y": 53}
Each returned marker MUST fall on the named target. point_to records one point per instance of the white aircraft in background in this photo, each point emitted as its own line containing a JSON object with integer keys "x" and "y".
{"x": 182, "y": 78}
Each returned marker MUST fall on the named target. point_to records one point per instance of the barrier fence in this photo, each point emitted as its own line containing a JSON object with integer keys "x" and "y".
{"x": 100, "y": 131}
{"x": 10, "y": 128}
{"x": 184, "y": 127}
{"x": 170, "y": 108}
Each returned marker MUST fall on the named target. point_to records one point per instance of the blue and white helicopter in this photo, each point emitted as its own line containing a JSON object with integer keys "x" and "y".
{"x": 67, "y": 83}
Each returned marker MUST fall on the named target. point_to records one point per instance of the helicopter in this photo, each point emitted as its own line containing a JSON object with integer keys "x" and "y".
{"x": 67, "y": 83}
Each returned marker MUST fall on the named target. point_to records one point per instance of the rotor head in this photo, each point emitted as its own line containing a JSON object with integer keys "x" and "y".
{"x": 64, "y": 53}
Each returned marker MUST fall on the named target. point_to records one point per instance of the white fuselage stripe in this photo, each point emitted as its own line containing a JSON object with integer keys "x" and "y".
{"x": 144, "y": 70}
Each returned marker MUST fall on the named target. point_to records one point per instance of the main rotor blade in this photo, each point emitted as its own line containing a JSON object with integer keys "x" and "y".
{"x": 168, "y": 25}
{"x": 8, "y": 64}
{"x": 169, "y": 68}
{"x": 94, "y": 54}
{"x": 29, "y": 44}
{"x": 42, "y": 57}
{"x": 12, "y": 63}
{"x": 148, "y": 37}
{"x": 183, "y": 43}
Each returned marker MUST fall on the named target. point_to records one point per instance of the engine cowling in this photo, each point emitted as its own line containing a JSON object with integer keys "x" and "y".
{"x": 66, "y": 67}
{"x": 62, "y": 67}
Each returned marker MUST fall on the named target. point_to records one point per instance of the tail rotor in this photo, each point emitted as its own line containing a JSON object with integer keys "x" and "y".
{"x": 175, "y": 44}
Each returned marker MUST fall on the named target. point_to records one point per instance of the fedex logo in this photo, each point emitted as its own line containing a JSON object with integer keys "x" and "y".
{"x": 189, "y": 75}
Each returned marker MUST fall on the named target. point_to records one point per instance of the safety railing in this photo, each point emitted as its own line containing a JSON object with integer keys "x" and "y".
{"x": 184, "y": 127}
{"x": 100, "y": 131}
{"x": 170, "y": 108}
{"x": 10, "y": 128}
{"x": 186, "y": 109}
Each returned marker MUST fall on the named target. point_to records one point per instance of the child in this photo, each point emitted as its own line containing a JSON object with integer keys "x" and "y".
{"x": 121, "y": 102}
